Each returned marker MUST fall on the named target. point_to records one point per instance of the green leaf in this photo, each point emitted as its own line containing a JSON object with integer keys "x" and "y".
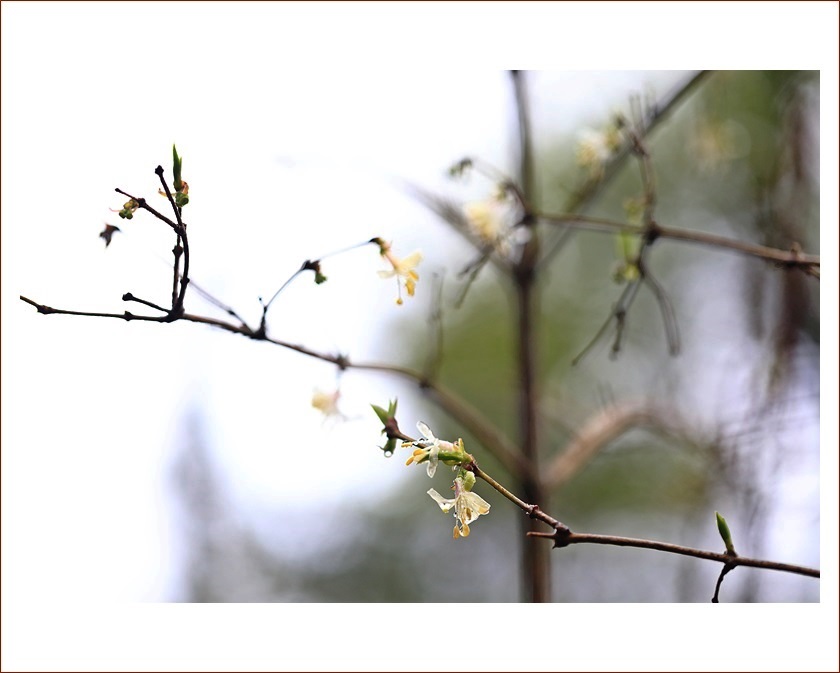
{"x": 381, "y": 413}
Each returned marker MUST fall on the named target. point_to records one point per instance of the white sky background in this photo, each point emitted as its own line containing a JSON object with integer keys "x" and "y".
{"x": 290, "y": 118}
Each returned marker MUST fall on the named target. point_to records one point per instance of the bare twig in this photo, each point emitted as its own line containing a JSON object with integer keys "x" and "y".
{"x": 723, "y": 572}
{"x": 787, "y": 258}
{"x": 563, "y": 536}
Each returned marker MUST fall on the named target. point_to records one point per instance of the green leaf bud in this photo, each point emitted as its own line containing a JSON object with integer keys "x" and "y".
{"x": 723, "y": 529}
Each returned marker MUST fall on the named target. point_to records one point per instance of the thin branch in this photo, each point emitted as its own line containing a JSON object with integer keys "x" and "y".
{"x": 723, "y": 572}
{"x": 461, "y": 411}
{"x": 669, "y": 317}
{"x": 787, "y": 258}
{"x": 145, "y": 206}
{"x": 564, "y": 537}
{"x": 596, "y": 433}
{"x": 619, "y": 314}
{"x": 130, "y": 297}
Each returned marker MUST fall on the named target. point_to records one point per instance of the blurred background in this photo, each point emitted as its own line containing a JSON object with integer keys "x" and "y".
{"x": 179, "y": 463}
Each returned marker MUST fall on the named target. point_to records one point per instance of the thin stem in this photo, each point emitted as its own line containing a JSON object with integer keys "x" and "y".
{"x": 791, "y": 258}
{"x": 563, "y": 537}
{"x": 130, "y": 297}
{"x": 586, "y": 538}
{"x": 145, "y": 206}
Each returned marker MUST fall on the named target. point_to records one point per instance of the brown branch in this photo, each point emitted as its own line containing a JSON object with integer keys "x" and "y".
{"x": 459, "y": 409}
{"x": 535, "y": 561}
{"x": 788, "y": 258}
{"x": 596, "y": 433}
{"x": 564, "y": 537}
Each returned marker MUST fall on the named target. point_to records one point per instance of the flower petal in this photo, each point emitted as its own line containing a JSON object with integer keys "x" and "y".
{"x": 425, "y": 431}
{"x": 445, "y": 504}
{"x": 433, "y": 460}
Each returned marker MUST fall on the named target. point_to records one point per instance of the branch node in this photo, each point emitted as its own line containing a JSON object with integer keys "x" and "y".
{"x": 562, "y": 535}
{"x": 652, "y": 232}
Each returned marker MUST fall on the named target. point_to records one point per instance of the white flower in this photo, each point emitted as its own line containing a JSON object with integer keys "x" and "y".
{"x": 468, "y": 507}
{"x": 455, "y": 453}
{"x": 490, "y": 219}
{"x": 485, "y": 217}
{"x": 402, "y": 268}
{"x": 327, "y": 403}
{"x": 595, "y": 148}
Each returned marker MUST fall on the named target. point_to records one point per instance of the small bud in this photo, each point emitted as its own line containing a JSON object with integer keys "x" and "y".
{"x": 469, "y": 481}
{"x": 723, "y": 529}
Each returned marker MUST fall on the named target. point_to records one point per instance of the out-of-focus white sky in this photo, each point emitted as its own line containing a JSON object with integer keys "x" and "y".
{"x": 291, "y": 120}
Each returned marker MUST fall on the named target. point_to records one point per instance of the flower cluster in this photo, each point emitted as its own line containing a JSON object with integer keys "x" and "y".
{"x": 433, "y": 450}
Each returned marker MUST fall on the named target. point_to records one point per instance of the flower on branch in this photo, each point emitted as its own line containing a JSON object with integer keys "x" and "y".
{"x": 327, "y": 404}
{"x": 107, "y": 232}
{"x": 596, "y": 147}
{"x": 401, "y": 268}
{"x": 489, "y": 219}
{"x": 435, "y": 450}
{"x": 468, "y": 506}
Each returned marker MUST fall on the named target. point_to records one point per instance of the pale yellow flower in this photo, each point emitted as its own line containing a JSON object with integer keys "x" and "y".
{"x": 595, "y": 148}
{"x": 402, "y": 269}
{"x": 468, "y": 507}
{"x": 327, "y": 404}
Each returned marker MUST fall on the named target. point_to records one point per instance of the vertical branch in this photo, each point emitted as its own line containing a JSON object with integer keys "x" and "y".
{"x": 536, "y": 576}
{"x": 526, "y": 180}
